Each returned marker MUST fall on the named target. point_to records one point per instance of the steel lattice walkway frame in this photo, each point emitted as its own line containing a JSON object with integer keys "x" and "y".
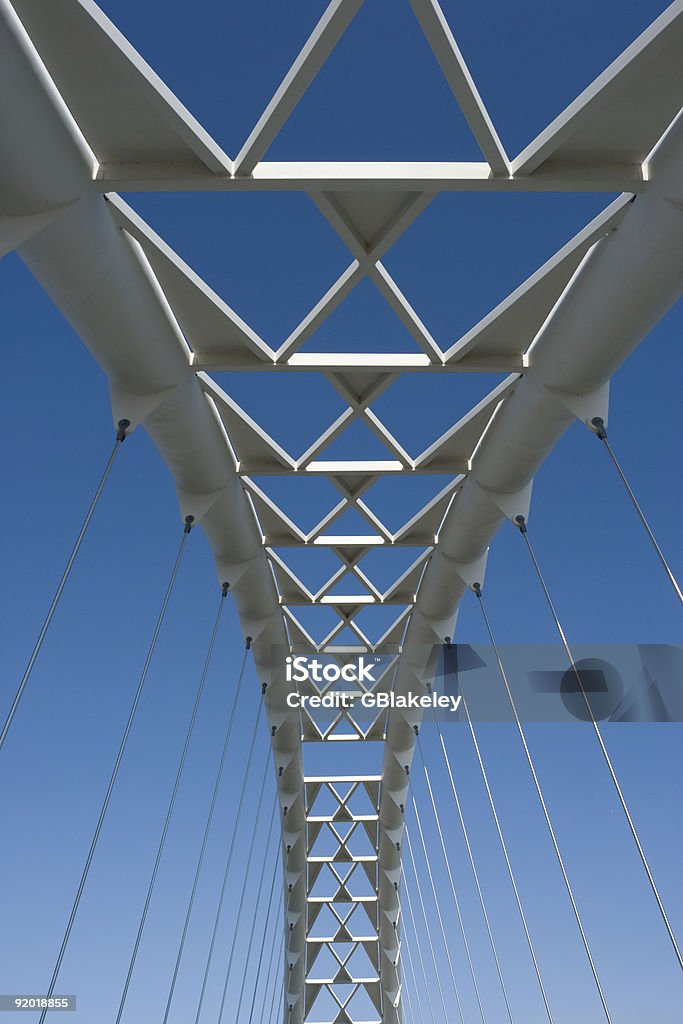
{"x": 82, "y": 118}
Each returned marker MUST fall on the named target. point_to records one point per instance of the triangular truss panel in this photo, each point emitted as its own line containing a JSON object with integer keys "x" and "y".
{"x": 621, "y": 116}
{"x": 124, "y": 110}
{"x": 84, "y": 118}
{"x": 211, "y": 329}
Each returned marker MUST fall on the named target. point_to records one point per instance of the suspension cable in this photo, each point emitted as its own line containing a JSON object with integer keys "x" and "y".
{"x": 265, "y": 924}
{"x": 407, "y": 1006}
{"x": 546, "y": 813}
{"x": 470, "y": 854}
{"x": 413, "y": 976}
{"x": 120, "y": 438}
{"x": 406, "y": 997}
{"x": 171, "y": 804}
{"x": 521, "y": 523}
{"x": 271, "y": 961}
{"x": 209, "y": 820}
{"x": 406, "y": 890}
{"x": 503, "y": 844}
{"x": 428, "y": 929}
{"x": 463, "y": 932}
{"x": 226, "y": 873}
{"x": 253, "y": 921}
{"x": 601, "y": 433}
{"x": 117, "y": 764}
{"x": 275, "y": 986}
{"x": 441, "y": 924}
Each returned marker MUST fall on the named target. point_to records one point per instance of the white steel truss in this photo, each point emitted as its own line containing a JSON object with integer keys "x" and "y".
{"x": 83, "y": 117}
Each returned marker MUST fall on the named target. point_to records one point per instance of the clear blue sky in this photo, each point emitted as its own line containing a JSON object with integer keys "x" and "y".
{"x": 271, "y": 257}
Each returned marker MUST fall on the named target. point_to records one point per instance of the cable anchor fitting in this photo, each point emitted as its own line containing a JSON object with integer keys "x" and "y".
{"x": 599, "y": 426}
{"x": 121, "y": 432}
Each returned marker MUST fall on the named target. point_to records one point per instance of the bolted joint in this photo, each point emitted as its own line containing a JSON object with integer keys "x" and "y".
{"x": 121, "y": 432}
{"x": 520, "y": 521}
{"x": 598, "y": 425}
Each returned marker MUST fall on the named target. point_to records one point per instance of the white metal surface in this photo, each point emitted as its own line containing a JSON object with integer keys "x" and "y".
{"x": 158, "y": 331}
